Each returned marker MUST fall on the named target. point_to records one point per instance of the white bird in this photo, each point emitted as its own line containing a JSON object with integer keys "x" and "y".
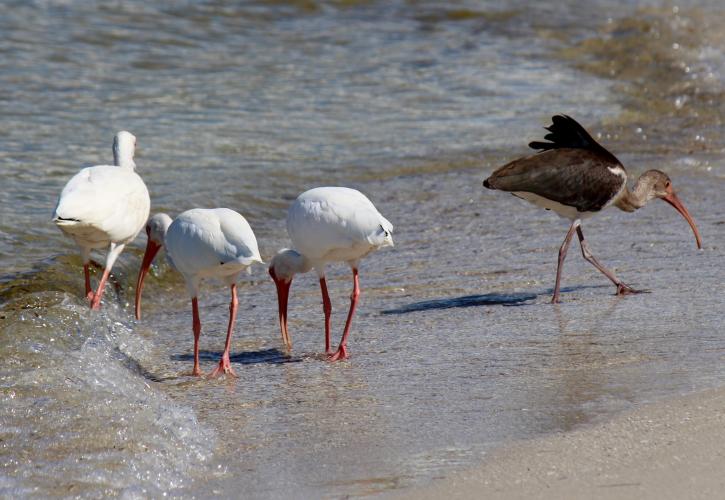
{"x": 104, "y": 206}
{"x": 328, "y": 224}
{"x": 203, "y": 243}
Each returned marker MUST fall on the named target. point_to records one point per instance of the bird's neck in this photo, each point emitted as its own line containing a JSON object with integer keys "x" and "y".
{"x": 289, "y": 262}
{"x": 123, "y": 159}
{"x": 635, "y": 198}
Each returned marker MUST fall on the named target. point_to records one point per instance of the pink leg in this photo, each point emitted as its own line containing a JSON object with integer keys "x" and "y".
{"x": 327, "y": 308}
{"x": 622, "y": 288}
{"x": 111, "y": 277}
{"x": 224, "y": 364}
{"x": 342, "y": 349}
{"x": 562, "y": 256}
{"x": 96, "y": 302}
{"x": 196, "y": 372}
{"x": 89, "y": 290}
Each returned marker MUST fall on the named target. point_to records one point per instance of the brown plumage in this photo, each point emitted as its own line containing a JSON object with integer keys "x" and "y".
{"x": 577, "y": 177}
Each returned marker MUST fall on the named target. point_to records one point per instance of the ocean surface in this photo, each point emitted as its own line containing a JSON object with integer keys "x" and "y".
{"x": 455, "y": 349}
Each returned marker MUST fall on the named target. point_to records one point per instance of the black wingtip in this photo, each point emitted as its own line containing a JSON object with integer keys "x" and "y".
{"x": 487, "y": 184}
{"x": 566, "y": 132}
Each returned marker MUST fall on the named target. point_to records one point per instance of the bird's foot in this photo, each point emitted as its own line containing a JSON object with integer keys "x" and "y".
{"x": 225, "y": 367}
{"x": 624, "y": 289}
{"x": 555, "y": 299}
{"x": 339, "y": 355}
{"x": 196, "y": 372}
{"x": 90, "y": 295}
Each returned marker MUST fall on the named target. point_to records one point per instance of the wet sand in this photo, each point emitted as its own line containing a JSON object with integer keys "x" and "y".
{"x": 670, "y": 449}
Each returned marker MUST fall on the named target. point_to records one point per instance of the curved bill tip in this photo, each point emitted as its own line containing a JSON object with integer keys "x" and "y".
{"x": 675, "y": 201}
{"x": 282, "y": 299}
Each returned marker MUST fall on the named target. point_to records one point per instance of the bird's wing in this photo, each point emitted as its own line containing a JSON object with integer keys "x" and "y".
{"x": 201, "y": 239}
{"x": 240, "y": 242}
{"x": 109, "y": 198}
{"x": 566, "y": 132}
{"x": 579, "y": 178}
{"x": 334, "y": 218}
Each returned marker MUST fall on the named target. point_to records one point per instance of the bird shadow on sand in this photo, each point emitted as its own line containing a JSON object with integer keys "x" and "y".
{"x": 270, "y": 356}
{"x": 488, "y": 299}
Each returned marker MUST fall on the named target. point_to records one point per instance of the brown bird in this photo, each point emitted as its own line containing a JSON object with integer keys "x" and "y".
{"x": 576, "y": 177}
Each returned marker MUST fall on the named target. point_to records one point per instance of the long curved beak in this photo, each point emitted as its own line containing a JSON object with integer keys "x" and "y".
{"x": 152, "y": 248}
{"x": 673, "y": 200}
{"x": 282, "y": 298}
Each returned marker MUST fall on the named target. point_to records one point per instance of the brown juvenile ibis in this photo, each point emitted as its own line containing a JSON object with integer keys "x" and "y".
{"x": 576, "y": 177}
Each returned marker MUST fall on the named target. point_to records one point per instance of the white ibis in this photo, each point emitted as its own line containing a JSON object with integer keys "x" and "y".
{"x": 203, "y": 243}
{"x": 328, "y": 224}
{"x": 104, "y": 206}
{"x": 576, "y": 177}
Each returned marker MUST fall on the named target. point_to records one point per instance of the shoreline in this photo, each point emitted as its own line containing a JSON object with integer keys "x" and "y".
{"x": 672, "y": 448}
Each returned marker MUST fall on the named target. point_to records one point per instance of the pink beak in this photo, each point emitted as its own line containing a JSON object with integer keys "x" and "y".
{"x": 282, "y": 297}
{"x": 673, "y": 200}
{"x": 152, "y": 248}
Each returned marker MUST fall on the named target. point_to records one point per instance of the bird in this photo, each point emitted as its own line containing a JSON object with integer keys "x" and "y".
{"x": 576, "y": 177}
{"x": 202, "y": 243}
{"x": 104, "y": 206}
{"x": 328, "y": 224}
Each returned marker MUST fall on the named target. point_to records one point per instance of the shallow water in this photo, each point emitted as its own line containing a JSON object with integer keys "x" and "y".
{"x": 455, "y": 349}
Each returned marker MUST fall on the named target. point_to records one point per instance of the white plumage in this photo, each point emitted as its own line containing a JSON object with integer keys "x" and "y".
{"x": 328, "y": 224}
{"x": 104, "y": 206}
{"x": 211, "y": 243}
{"x": 203, "y": 243}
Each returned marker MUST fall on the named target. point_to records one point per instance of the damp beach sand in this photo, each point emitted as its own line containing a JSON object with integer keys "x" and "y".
{"x": 671, "y": 449}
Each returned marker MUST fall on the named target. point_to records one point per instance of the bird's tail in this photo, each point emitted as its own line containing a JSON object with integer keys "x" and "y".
{"x": 65, "y": 221}
{"x": 383, "y": 237}
{"x": 248, "y": 261}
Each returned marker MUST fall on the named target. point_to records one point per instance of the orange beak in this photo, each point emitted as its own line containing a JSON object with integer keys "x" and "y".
{"x": 673, "y": 200}
{"x": 282, "y": 297}
{"x": 152, "y": 248}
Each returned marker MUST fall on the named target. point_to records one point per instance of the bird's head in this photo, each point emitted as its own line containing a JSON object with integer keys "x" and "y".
{"x": 282, "y": 269}
{"x": 156, "y": 228}
{"x": 124, "y": 147}
{"x": 657, "y": 184}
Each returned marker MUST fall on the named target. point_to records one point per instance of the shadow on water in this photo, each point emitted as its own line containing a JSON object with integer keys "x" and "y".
{"x": 271, "y": 356}
{"x": 488, "y": 299}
